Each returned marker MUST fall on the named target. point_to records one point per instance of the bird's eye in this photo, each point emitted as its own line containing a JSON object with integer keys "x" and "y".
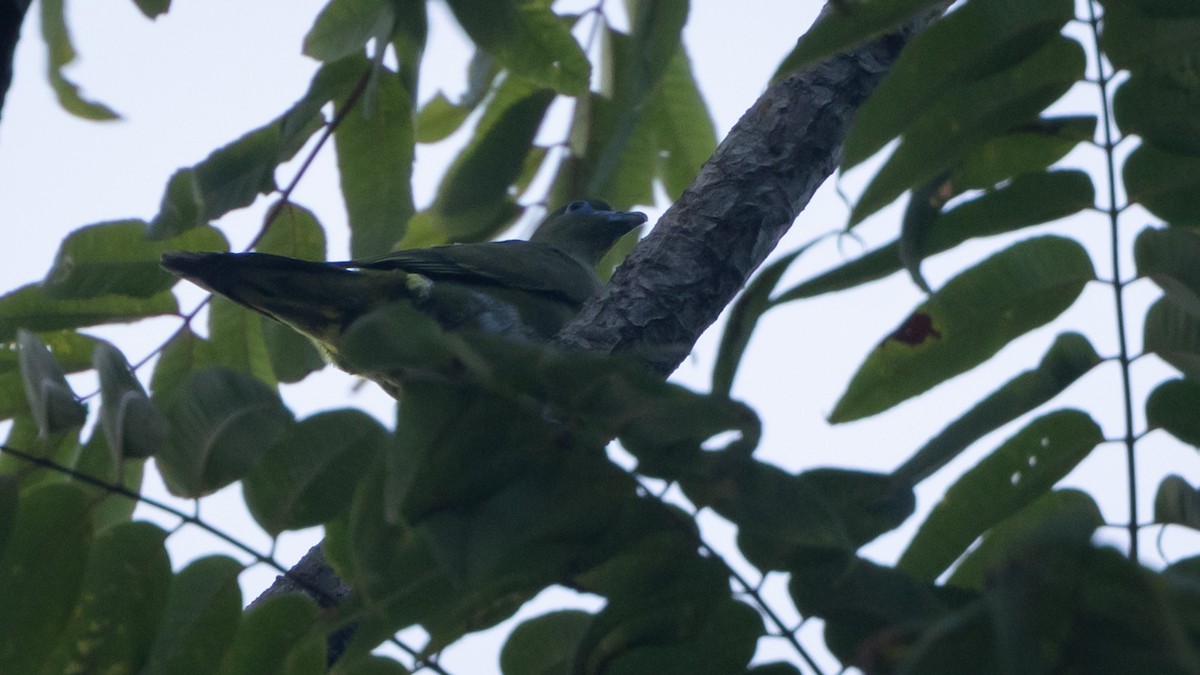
{"x": 577, "y": 206}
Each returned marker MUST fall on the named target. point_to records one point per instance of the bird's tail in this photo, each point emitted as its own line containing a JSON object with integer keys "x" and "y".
{"x": 317, "y": 299}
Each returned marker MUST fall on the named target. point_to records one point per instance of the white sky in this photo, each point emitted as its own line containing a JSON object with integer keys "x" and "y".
{"x": 209, "y": 71}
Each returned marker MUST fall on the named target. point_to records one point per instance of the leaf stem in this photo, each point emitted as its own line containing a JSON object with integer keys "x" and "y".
{"x": 1113, "y": 211}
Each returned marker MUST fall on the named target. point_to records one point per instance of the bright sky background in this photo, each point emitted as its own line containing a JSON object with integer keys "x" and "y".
{"x": 209, "y": 71}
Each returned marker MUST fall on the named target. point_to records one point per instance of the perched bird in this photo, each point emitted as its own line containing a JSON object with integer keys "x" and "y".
{"x": 523, "y": 289}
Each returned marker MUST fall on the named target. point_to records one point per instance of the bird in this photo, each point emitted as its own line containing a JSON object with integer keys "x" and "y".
{"x": 525, "y": 290}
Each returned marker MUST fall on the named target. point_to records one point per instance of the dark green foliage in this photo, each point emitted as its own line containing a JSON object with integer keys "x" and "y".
{"x": 496, "y": 480}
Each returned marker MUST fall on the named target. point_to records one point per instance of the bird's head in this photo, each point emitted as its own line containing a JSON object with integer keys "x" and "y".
{"x": 586, "y": 229}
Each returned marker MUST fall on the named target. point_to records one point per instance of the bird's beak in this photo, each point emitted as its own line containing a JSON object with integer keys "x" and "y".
{"x": 626, "y": 219}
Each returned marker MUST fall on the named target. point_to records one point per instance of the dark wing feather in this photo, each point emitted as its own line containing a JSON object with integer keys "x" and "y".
{"x": 521, "y": 265}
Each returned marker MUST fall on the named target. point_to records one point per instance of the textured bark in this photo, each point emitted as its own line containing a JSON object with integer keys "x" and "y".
{"x": 678, "y": 279}
{"x": 704, "y": 248}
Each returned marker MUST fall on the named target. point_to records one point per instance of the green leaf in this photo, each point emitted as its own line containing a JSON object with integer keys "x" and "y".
{"x": 235, "y": 175}
{"x": 72, "y": 353}
{"x": 1168, "y": 185}
{"x": 1177, "y": 502}
{"x": 1141, "y": 37}
{"x": 132, "y": 425}
{"x": 308, "y": 476}
{"x": 526, "y": 37}
{"x": 236, "y": 340}
{"x": 61, "y": 448}
{"x": 439, "y": 117}
{"x": 639, "y": 63}
{"x": 277, "y": 637}
{"x": 375, "y": 156}
{"x": 675, "y": 636}
{"x": 544, "y": 644}
{"x": 1026, "y": 200}
{"x": 367, "y": 665}
{"x": 295, "y": 233}
{"x": 613, "y": 136}
{"x": 230, "y": 178}
{"x": 122, "y": 599}
{"x": 183, "y": 355}
{"x": 1173, "y": 333}
{"x": 971, "y": 318}
{"x": 858, "y": 598}
{"x": 117, "y": 258}
{"x": 1022, "y": 469}
{"x": 1174, "y": 406}
{"x": 41, "y": 570}
{"x": 293, "y": 356}
{"x": 743, "y": 317}
{"x": 10, "y": 489}
{"x": 344, "y": 27}
{"x": 153, "y": 8}
{"x": 1171, "y": 258}
{"x": 53, "y": 404}
{"x": 200, "y": 618}
{"x": 1069, "y": 358}
{"x": 474, "y": 201}
{"x": 1027, "y": 149}
{"x": 959, "y": 124}
{"x": 1067, "y": 514}
{"x": 60, "y": 54}
{"x": 94, "y": 459}
{"x": 31, "y": 308}
{"x": 222, "y": 422}
{"x": 986, "y": 37}
{"x": 1162, "y": 112}
{"x": 686, "y": 132}
{"x": 846, "y": 27}
{"x": 778, "y": 513}
{"x": 923, "y": 208}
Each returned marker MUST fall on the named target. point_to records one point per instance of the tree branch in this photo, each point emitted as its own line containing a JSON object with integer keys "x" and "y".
{"x": 678, "y": 279}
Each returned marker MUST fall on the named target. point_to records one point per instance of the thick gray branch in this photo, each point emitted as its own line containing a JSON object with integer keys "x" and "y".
{"x": 704, "y": 248}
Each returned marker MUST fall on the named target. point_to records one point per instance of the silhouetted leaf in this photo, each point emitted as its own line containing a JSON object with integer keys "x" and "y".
{"x": 308, "y": 476}
{"x": 527, "y": 38}
{"x": 1022, "y": 469}
{"x": 375, "y": 154}
{"x": 544, "y": 644}
{"x": 41, "y": 571}
{"x": 200, "y": 618}
{"x": 1173, "y": 333}
{"x": 1174, "y": 406}
{"x": 1171, "y": 258}
{"x": 117, "y": 258}
{"x": 1068, "y": 359}
{"x": 344, "y": 27}
{"x": 985, "y": 37}
{"x": 277, "y": 637}
{"x": 957, "y": 125}
{"x": 968, "y": 320}
{"x": 30, "y": 307}
{"x": 1026, "y": 200}
{"x": 60, "y": 54}
{"x": 120, "y": 605}
{"x": 1168, "y": 185}
{"x": 52, "y": 403}
{"x": 222, "y": 422}
{"x": 132, "y": 426}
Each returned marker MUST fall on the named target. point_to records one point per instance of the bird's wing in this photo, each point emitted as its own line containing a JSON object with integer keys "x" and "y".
{"x": 520, "y": 265}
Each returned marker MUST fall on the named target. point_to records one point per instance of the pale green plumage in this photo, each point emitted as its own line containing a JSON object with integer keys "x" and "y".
{"x": 525, "y": 289}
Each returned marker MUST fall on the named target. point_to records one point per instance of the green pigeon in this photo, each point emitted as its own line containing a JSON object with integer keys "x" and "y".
{"x": 522, "y": 289}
